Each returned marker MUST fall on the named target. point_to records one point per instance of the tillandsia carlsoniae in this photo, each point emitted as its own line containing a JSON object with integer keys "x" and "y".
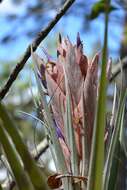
{"x": 72, "y": 72}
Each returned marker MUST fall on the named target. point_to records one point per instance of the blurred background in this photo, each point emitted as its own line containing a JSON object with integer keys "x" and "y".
{"x": 21, "y": 20}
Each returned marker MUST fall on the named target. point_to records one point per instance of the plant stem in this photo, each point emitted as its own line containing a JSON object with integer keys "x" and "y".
{"x": 95, "y": 178}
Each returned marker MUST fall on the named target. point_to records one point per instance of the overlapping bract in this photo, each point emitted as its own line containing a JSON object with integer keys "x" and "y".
{"x": 82, "y": 79}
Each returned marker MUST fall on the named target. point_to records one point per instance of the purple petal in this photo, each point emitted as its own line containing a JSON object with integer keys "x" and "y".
{"x": 79, "y": 42}
{"x": 58, "y": 131}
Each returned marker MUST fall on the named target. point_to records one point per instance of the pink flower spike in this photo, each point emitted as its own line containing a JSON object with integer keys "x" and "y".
{"x": 74, "y": 75}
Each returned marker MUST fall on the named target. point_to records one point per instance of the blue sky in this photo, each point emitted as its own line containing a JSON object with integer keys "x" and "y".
{"x": 68, "y": 26}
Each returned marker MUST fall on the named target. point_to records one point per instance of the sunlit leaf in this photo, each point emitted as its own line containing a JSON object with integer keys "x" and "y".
{"x": 100, "y": 7}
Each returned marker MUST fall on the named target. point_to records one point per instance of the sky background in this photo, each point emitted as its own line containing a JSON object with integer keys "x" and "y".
{"x": 69, "y": 25}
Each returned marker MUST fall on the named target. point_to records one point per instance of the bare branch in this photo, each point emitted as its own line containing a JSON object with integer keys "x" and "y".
{"x": 40, "y": 149}
{"x": 41, "y": 35}
{"x": 117, "y": 69}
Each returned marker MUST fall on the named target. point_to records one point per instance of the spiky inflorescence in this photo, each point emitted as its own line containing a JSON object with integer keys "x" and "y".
{"x": 81, "y": 75}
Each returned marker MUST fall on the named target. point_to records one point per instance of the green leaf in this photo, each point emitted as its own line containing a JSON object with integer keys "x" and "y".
{"x": 98, "y": 8}
{"x": 110, "y": 165}
{"x": 123, "y": 142}
{"x": 1, "y": 187}
{"x": 20, "y": 175}
{"x": 37, "y": 177}
{"x": 95, "y": 177}
{"x": 114, "y": 169}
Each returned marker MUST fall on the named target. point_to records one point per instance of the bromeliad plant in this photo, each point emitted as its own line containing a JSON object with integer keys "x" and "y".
{"x": 85, "y": 148}
{"x": 69, "y": 96}
{"x": 72, "y": 110}
{"x": 71, "y": 83}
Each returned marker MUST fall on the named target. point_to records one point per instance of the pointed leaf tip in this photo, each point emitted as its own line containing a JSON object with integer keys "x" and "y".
{"x": 60, "y": 38}
{"x": 78, "y": 40}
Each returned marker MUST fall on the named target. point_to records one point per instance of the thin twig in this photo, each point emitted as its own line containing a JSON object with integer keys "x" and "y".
{"x": 40, "y": 149}
{"x": 117, "y": 70}
{"x": 41, "y": 35}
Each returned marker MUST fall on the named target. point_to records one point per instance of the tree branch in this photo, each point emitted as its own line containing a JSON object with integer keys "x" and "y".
{"x": 117, "y": 69}
{"x": 40, "y": 149}
{"x": 41, "y": 35}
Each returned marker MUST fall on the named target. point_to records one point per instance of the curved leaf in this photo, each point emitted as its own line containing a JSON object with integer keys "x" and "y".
{"x": 20, "y": 175}
{"x": 37, "y": 177}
